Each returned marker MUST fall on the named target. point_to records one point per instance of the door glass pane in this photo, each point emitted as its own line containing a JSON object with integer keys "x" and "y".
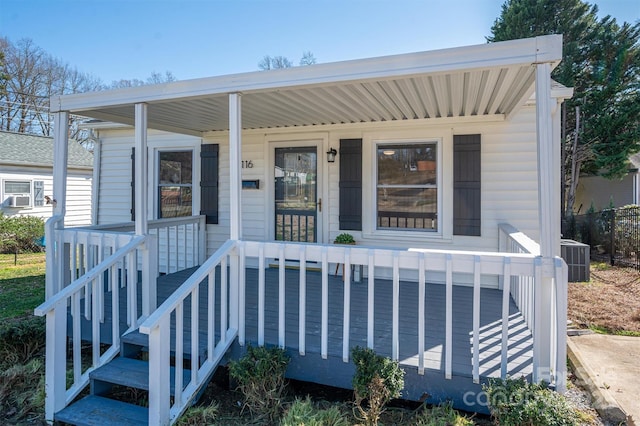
{"x": 295, "y": 194}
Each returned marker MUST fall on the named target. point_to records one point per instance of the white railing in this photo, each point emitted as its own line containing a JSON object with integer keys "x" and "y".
{"x": 182, "y": 310}
{"x": 422, "y": 263}
{"x": 522, "y": 288}
{"x": 542, "y": 300}
{"x": 85, "y": 299}
{"x": 181, "y": 241}
{"x": 77, "y": 250}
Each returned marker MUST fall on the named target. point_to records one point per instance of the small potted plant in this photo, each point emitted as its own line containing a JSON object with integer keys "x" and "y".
{"x": 344, "y": 238}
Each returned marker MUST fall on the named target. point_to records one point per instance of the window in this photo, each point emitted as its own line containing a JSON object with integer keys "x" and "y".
{"x": 407, "y": 186}
{"x": 175, "y": 183}
{"x": 17, "y": 187}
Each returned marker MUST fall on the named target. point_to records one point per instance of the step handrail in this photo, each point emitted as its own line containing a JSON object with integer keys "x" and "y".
{"x": 162, "y": 410}
{"x": 92, "y": 274}
{"x": 178, "y": 296}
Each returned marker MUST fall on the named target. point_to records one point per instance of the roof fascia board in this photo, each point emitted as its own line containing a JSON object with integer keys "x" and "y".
{"x": 514, "y": 52}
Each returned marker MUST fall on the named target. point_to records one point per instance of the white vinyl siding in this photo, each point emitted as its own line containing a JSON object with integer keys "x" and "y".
{"x": 78, "y": 193}
{"x": 509, "y": 178}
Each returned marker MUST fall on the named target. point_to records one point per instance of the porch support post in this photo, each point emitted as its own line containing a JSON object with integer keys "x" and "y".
{"x": 549, "y": 224}
{"x": 149, "y": 264}
{"x": 235, "y": 155}
{"x": 55, "y": 254}
{"x": 235, "y": 188}
{"x": 141, "y": 169}
{"x": 60, "y": 156}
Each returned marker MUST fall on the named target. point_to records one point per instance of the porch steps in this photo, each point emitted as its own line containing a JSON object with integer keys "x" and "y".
{"x": 127, "y": 370}
{"x": 95, "y": 410}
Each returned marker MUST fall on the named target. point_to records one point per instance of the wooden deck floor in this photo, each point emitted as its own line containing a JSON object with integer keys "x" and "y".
{"x": 334, "y": 371}
{"x": 520, "y": 339}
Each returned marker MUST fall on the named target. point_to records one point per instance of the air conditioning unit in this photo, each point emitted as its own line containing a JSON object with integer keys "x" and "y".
{"x": 20, "y": 201}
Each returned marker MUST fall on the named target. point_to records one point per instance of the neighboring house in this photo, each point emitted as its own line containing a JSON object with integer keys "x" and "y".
{"x": 219, "y": 199}
{"x": 604, "y": 193}
{"x": 26, "y": 178}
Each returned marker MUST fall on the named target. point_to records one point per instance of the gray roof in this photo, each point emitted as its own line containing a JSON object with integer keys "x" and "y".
{"x": 635, "y": 161}
{"x": 32, "y": 150}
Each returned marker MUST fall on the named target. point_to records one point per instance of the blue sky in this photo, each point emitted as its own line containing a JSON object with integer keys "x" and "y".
{"x": 126, "y": 39}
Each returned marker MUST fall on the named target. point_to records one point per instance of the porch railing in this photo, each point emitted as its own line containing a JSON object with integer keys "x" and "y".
{"x": 85, "y": 298}
{"x": 214, "y": 278}
{"x": 75, "y": 251}
{"x": 423, "y": 263}
{"x": 543, "y": 306}
{"x": 180, "y": 241}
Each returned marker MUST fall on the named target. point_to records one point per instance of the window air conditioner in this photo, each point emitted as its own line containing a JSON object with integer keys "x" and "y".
{"x": 20, "y": 201}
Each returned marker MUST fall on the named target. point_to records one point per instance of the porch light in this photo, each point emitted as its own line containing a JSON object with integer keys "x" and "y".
{"x": 389, "y": 152}
{"x": 331, "y": 155}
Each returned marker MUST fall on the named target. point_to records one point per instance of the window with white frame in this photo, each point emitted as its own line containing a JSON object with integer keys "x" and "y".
{"x": 175, "y": 183}
{"x": 17, "y": 187}
{"x": 407, "y": 186}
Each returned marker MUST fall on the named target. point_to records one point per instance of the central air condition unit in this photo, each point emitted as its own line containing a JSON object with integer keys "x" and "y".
{"x": 20, "y": 201}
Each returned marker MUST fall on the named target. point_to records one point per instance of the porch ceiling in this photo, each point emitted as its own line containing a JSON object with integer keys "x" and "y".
{"x": 485, "y": 80}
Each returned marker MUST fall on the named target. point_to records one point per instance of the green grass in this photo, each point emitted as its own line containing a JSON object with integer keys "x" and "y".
{"x": 604, "y": 330}
{"x": 21, "y": 285}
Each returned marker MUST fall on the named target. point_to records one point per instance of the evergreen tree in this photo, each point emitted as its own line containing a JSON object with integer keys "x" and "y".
{"x": 601, "y": 61}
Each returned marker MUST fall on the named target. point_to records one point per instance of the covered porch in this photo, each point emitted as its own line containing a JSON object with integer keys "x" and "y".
{"x": 429, "y": 308}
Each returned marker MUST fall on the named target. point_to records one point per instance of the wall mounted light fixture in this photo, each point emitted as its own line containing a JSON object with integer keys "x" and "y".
{"x": 331, "y": 155}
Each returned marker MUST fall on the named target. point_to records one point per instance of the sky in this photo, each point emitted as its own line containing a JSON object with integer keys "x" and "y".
{"x": 127, "y": 39}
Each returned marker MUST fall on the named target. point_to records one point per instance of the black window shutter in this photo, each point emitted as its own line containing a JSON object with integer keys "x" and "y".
{"x": 209, "y": 161}
{"x": 466, "y": 185}
{"x": 133, "y": 184}
{"x": 351, "y": 184}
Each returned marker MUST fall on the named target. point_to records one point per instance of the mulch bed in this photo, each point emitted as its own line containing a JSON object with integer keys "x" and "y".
{"x": 609, "y": 302}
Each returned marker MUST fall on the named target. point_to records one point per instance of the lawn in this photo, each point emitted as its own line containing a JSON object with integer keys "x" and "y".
{"x": 21, "y": 284}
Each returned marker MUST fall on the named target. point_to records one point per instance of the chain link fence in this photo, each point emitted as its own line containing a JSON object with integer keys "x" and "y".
{"x": 612, "y": 234}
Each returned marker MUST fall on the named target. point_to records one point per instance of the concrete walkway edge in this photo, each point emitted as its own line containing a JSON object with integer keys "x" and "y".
{"x": 603, "y": 402}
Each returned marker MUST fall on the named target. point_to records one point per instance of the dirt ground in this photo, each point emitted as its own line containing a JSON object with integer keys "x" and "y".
{"x": 609, "y": 302}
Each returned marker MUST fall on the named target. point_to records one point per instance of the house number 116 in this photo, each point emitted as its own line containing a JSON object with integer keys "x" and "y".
{"x": 247, "y": 164}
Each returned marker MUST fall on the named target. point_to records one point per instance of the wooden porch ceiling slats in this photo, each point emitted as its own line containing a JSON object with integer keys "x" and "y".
{"x": 490, "y": 91}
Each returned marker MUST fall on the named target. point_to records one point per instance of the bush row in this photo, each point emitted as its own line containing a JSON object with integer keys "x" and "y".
{"x": 20, "y": 234}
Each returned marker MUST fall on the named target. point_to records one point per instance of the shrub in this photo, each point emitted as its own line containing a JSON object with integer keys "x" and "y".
{"x": 260, "y": 376}
{"x": 21, "y": 339}
{"x": 196, "y": 416}
{"x": 377, "y": 380}
{"x": 441, "y": 415}
{"x": 517, "y": 402}
{"x": 344, "y": 238}
{"x": 20, "y": 401}
{"x": 20, "y": 233}
{"x": 304, "y": 412}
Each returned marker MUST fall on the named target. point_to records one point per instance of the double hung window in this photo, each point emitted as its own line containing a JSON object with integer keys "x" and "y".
{"x": 407, "y": 186}
{"x": 175, "y": 183}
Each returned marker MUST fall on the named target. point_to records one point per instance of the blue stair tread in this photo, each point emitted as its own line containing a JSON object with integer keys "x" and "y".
{"x": 132, "y": 373}
{"x": 136, "y": 338}
{"x": 98, "y": 411}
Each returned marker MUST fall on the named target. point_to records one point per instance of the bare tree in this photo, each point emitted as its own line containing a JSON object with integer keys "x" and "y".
{"x": 307, "y": 59}
{"x": 159, "y": 78}
{"x": 33, "y": 76}
{"x": 274, "y": 62}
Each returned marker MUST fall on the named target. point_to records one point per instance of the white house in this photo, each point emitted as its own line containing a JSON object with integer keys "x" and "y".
{"x": 603, "y": 193}
{"x": 26, "y": 177}
{"x": 218, "y": 200}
